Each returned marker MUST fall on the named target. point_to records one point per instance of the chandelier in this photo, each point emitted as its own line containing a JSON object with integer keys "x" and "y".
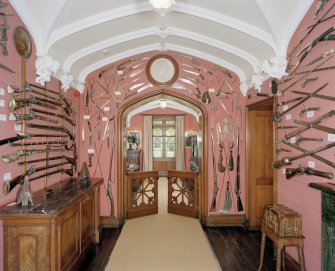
{"x": 162, "y": 7}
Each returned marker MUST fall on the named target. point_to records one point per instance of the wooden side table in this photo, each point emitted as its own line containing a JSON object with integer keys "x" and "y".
{"x": 283, "y": 226}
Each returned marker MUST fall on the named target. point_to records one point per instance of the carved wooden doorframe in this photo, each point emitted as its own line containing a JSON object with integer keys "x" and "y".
{"x": 121, "y": 148}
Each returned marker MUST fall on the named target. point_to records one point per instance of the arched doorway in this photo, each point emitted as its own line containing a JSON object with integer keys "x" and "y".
{"x": 122, "y": 142}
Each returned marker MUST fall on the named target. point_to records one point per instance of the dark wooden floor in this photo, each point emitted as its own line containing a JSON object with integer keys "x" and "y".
{"x": 235, "y": 248}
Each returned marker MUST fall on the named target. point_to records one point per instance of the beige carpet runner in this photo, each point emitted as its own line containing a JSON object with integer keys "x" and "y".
{"x": 162, "y": 242}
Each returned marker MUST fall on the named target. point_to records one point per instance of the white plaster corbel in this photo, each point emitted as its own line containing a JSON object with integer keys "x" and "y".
{"x": 275, "y": 67}
{"x": 66, "y": 79}
{"x": 257, "y": 80}
{"x": 45, "y": 67}
{"x": 80, "y": 86}
{"x": 244, "y": 86}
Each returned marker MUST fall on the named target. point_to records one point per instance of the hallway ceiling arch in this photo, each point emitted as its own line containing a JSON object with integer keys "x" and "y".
{"x": 240, "y": 35}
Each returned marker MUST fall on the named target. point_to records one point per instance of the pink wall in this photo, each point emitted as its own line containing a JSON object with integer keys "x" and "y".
{"x": 13, "y": 61}
{"x": 215, "y": 114}
{"x": 295, "y": 192}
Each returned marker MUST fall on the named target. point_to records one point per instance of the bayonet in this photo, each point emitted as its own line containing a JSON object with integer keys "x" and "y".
{"x": 133, "y": 74}
{"x": 193, "y": 73}
{"x": 144, "y": 87}
{"x": 4, "y": 67}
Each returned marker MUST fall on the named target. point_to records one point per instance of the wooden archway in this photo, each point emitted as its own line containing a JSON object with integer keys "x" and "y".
{"x": 121, "y": 150}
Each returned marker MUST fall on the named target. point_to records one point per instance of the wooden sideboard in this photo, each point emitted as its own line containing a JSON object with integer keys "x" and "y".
{"x": 56, "y": 232}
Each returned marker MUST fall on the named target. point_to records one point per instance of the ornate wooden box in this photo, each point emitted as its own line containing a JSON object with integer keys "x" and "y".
{"x": 282, "y": 220}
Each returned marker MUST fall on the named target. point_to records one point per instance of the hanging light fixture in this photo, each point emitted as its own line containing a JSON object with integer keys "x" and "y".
{"x": 163, "y": 103}
{"x": 162, "y": 7}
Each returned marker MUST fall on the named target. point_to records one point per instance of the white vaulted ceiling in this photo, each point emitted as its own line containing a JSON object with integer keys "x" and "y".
{"x": 84, "y": 35}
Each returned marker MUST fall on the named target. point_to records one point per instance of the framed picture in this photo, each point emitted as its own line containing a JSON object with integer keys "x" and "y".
{"x": 190, "y": 136}
{"x": 134, "y": 139}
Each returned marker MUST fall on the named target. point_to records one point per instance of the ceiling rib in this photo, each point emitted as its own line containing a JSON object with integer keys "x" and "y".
{"x": 250, "y": 59}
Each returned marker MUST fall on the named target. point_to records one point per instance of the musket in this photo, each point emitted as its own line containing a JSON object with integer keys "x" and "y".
{"x": 237, "y": 180}
{"x": 321, "y": 159}
{"x": 12, "y": 157}
{"x": 330, "y": 98}
{"x": 66, "y": 171}
{"x": 109, "y": 183}
{"x": 316, "y": 121}
{"x": 280, "y": 149}
{"x": 58, "y": 157}
{"x": 30, "y": 116}
{"x": 304, "y": 51}
{"x": 287, "y": 127}
{"x": 281, "y": 92}
{"x": 288, "y": 160}
{"x": 291, "y": 172}
{"x": 277, "y": 116}
{"x": 52, "y": 128}
{"x": 15, "y": 104}
{"x": 54, "y": 114}
{"x": 316, "y": 126}
{"x": 311, "y": 30}
{"x": 13, "y": 89}
{"x": 289, "y": 101}
{"x": 9, "y": 186}
{"x": 61, "y": 142}
{"x": 12, "y": 139}
{"x": 4, "y": 67}
{"x": 258, "y": 95}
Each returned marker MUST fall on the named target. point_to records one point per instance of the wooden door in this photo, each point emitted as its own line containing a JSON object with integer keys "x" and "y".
{"x": 259, "y": 162}
{"x": 142, "y": 193}
{"x": 183, "y": 193}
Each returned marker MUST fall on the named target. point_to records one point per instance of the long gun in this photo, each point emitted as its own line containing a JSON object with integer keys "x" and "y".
{"x": 109, "y": 183}
{"x": 12, "y": 157}
{"x": 288, "y": 160}
{"x": 9, "y": 186}
{"x": 58, "y": 157}
{"x": 216, "y": 188}
{"x": 237, "y": 180}
{"x": 291, "y": 172}
{"x": 52, "y": 128}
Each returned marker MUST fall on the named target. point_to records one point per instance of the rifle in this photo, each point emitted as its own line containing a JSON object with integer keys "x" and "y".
{"x": 52, "y": 128}
{"x": 12, "y": 139}
{"x": 11, "y": 157}
{"x": 9, "y": 186}
{"x": 291, "y": 172}
{"x": 216, "y": 188}
{"x": 237, "y": 180}
{"x": 69, "y": 159}
{"x": 109, "y": 183}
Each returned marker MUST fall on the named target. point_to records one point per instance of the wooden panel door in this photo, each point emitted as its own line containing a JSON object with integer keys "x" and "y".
{"x": 260, "y": 158}
{"x": 142, "y": 193}
{"x": 183, "y": 193}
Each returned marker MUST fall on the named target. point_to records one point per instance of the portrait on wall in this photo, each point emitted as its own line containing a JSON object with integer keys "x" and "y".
{"x": 134, "y": 140}
{"x": 190, "y": 136}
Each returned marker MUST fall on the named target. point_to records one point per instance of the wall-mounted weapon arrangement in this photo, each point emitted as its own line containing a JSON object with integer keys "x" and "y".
{"x": 308, "y": 70}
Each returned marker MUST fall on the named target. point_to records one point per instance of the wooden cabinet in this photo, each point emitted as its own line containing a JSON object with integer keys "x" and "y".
{"x": 57, "y": 232}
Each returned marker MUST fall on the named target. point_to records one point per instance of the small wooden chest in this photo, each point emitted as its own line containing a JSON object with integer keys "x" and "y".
{"x": 282, "y": 220}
